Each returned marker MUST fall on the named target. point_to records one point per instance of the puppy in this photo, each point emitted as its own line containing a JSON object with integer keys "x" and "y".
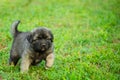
{"x": 32, "y": 47}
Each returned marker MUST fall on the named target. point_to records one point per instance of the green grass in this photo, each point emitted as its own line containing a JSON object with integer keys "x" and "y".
{"x": 87, "y": 38}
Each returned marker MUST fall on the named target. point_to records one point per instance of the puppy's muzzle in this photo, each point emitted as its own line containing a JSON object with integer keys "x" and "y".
{"x": 43, "y": 47}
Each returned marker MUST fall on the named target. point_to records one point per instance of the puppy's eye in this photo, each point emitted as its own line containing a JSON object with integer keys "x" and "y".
{"x": 39, "y": 37}
{"x": 34, "y": 40}
{"x": 48, "y": 38}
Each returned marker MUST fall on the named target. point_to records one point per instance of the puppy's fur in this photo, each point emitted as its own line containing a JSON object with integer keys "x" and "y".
{"x": 32, "y": 47}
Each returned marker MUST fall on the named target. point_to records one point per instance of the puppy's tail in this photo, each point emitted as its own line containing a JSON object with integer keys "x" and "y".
{"x": 14, "y": 30}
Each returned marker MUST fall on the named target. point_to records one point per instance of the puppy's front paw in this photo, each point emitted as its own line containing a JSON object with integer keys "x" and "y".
{"x": 46, "y": 67}
{"x": 49, "y": 61}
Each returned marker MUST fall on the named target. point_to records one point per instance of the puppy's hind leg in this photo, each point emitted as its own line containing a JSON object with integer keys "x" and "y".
{"x": 13, "y": 60}
{"x": 25, "y": 63}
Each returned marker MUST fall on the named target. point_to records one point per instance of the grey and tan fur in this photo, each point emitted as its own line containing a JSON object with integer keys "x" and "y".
{"x": 31, "y": 47}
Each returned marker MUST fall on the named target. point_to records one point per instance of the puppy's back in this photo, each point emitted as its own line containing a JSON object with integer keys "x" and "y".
{"x": 19, "y": 42}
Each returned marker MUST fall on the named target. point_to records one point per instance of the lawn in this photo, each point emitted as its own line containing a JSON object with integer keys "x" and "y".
{"x": 86, "y": 38}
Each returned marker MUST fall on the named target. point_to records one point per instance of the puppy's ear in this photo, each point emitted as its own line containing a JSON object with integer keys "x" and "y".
{"x": 30, "y": 38}
{"x": 52, "y": 37}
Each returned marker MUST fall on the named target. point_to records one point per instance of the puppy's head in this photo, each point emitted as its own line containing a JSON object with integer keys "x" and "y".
{"x": 40, "y": 39}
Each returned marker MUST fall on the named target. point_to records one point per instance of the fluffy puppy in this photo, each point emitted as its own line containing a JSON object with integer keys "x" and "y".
{"x": 32, "y": 47}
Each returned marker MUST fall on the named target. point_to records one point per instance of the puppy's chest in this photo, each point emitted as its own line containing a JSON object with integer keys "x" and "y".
{"x": 39, "y": 57}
